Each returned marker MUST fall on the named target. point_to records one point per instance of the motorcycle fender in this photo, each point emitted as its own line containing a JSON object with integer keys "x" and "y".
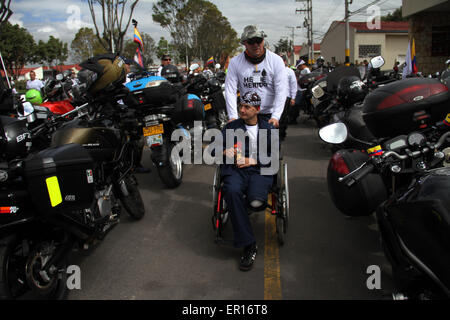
{"x": 160, "y": 155}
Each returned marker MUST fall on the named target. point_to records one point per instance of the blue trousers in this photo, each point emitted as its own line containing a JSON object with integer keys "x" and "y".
{"x": 250, "y": 182}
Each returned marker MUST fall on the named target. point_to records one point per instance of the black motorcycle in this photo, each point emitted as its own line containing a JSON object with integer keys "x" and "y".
{"x": 414, "y": 218}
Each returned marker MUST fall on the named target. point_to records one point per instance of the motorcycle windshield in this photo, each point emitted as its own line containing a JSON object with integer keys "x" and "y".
{"x": 339, "y": 73}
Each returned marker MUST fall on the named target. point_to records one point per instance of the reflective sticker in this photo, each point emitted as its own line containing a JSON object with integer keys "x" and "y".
{"x": 54, "y": 191}
{"x": 90, "y": 176}
{"x": 7, "y": 210}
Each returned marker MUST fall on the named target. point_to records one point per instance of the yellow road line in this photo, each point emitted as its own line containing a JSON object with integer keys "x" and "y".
{"x": 272, "y": 281}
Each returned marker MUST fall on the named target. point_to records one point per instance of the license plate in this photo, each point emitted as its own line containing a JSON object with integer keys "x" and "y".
{"x": 153, "y": 130}
{"x": 155, "y": 140}
{"x": 208, "y": 106}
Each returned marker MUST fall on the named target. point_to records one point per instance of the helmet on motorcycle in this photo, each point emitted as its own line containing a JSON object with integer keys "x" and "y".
{"x": 171, "y": 73}
{"x": 351, "y": 90}
{"x": 33, "y": 96}
{"x": 106, "y": 71}
{"x": 320, "y": 61}
{"x": 14, "y": 138}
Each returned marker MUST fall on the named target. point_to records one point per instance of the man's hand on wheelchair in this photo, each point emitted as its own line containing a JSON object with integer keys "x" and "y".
{"x": 274, "y": 122}
{"x": 245, "y": 162}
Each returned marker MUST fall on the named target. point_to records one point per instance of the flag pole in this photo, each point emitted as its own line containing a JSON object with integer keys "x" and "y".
{"x": 6, "y": 73}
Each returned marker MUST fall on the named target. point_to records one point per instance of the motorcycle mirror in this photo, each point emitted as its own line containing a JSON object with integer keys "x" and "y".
{"x": 59, "y": 77}
{"x": 194, "y": 67}
{"x": 335, "y": 133}
{"x": 377, "y": 62}
{"x": 24, "y": 109}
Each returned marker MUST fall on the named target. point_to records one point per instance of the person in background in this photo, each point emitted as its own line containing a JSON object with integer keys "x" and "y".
{"x": 34, "y": 83}
{"x": 165, "y": 61}
{"x": 290, "y": 100}
{"x": 302, "y": 69}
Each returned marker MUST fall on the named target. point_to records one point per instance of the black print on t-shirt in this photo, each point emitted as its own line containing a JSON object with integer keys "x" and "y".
{"x": 256, "y": 81}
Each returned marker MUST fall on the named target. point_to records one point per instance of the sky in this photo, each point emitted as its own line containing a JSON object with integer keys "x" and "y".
{"x": 63, "y": 18}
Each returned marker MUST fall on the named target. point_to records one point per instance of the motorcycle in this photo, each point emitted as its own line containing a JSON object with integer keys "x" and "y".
{"x": 57, "y": 199}
{"x": 163, "y": 108}
{"x": 58, "y": 94}
{"x": 414, "y": 219}
{"x": 211, "y": 93}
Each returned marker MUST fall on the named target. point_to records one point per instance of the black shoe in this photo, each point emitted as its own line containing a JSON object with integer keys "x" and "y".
{"x": 248, "y": 257}
{"x": 141, "y": 169}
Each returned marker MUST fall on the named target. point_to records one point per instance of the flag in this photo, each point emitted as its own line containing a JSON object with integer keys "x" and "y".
{"x": 138, "y": 57}
{"x": 407, "y": 69}
{"x": 140, "y": 48}
{"x": 138, "y": 39}
{"x": 413, "y": 58}
{"x": 210, "y": 60}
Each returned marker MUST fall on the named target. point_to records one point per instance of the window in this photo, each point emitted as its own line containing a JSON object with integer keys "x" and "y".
{"x": 368, "y": 51}
{"x": 440, "y": 41}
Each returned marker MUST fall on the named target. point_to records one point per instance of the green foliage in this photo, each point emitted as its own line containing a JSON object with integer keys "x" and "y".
{"x": 283, "y": 46}
{"x": 52, "y": 52}
{"x": 394, "y": 16}
{"x": 197, "y": 27}
{"x": 164, "y": 47}
{"x": 17, "y": 47}
{"x": 85, "y": 45}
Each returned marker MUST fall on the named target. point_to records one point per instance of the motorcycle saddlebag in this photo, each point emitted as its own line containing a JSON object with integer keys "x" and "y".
{"x": 188, "y": 108}
{"x": 151, "y": 92}
{"x": 406, "y": 105}
{"x": 60, "y": 179}
{"x": 363, "y": 197}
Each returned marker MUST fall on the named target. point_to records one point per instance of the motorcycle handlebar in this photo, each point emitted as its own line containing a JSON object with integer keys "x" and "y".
{"x": 358, "y": 173}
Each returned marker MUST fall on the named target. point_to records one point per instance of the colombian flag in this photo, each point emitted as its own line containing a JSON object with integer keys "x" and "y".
{"x": 413, "y": 57}
{"x": 210, "y": 60}
{"x": 138, "y": 39}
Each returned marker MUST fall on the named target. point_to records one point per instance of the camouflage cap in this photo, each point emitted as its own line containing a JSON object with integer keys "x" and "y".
{"x": 251, "y": 31}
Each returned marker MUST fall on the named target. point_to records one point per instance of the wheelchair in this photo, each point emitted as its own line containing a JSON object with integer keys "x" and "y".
{"x": 278, "y": 203}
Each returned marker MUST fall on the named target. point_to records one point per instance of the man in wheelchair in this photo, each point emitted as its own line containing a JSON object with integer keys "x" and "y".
{"x": 244, "y": 187}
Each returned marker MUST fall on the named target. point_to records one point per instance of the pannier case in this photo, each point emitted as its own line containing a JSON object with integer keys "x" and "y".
{"x": 151, "y": 92}
{"x": 60, "y": 180}
{"x": 405, "y": 106}
{"x": 363, "y": 197}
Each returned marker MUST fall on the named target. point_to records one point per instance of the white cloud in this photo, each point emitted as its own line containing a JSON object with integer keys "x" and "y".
{"x": 46, "y": 29}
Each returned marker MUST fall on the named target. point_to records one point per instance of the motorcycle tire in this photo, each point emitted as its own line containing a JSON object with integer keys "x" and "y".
{"x": 133, "y": 203}
{"x": 171, "y": 174}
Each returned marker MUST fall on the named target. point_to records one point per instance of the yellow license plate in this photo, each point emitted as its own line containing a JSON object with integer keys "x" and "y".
{"x": 208, "y": 106}
{"x": 153, "y": 130}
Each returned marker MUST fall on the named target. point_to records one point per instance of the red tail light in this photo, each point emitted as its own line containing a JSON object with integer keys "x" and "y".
{"x": 338, "y": 164}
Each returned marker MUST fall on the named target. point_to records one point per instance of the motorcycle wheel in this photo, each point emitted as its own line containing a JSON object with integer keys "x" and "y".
{"x": 133, "y": 203}
{"x": 171, "y": 174}
{"x": 12, "y": 269}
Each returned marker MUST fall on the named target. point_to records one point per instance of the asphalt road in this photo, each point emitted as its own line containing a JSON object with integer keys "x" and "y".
{"x": 170, "y": 254}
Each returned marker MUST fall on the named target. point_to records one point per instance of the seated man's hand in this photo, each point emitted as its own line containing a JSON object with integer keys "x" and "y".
{"x": 274, "y": 122}
{"x": 232, "y": 119}
{"x": 229, "y": 153}
{"x": 245, "y": 162}
{"x": 292, "y": 102}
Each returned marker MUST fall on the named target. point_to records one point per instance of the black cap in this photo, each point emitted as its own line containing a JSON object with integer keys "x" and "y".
{"x": 165, "y": 56}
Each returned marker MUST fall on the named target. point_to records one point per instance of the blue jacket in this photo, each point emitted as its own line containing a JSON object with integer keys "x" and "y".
{"x": 227, "y": 169}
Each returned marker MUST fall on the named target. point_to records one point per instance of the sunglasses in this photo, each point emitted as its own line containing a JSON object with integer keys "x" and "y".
{"x": 255, "y": 40}
{"x": 167, "y": 60}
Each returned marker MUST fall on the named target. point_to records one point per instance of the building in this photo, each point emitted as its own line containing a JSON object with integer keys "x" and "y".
{"x": 305, "y": 51}
{"x": 390, "y": 41}
{"x": 429, "y": 25}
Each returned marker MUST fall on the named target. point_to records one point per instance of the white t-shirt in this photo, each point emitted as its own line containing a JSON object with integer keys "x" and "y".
{"x": 268, "y": 79}
{"x": 35, "y": 84}
{"x": 253, "y": 137}
{"x": 292, "y": 81}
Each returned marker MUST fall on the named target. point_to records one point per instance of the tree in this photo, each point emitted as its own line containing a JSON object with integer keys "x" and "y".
{"x": 197, "y": 27}
{"x": 17, "y": 47}
{"x": 394, "y": 16}
{"x": 5, "y": 11}
{"x": 52, "y": 52}
{"x": 114, "y": 25}
{"x": 129, "y": 48}
{"x": 85, "y": 45}
{"x": 283, "y": 46}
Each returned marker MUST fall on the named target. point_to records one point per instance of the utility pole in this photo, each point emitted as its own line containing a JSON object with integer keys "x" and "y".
{"x": 292, "y": 48}
{"x": 347, "y": 33}
{"x": 308, "y": 24}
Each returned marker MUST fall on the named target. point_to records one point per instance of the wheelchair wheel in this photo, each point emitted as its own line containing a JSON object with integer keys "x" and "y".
{"x": 284, "y": 196}
{"x": 281, "y": 230}
{"x": 220, "y": 212}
